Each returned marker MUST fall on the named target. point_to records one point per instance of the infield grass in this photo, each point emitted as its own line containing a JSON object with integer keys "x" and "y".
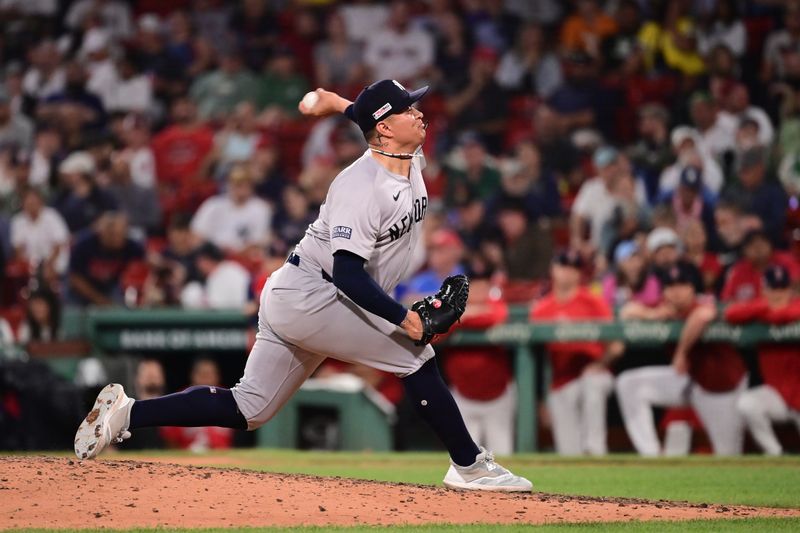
{"x": 751, "y": 480}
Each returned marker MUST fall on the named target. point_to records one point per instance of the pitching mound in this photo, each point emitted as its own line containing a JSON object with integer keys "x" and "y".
{"x": 62, "y": 493}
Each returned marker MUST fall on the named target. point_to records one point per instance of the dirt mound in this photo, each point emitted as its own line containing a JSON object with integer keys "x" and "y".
{"x": 62, "y": 493}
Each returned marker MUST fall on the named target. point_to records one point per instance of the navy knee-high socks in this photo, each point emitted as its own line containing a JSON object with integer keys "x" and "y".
{"x": 434, "y": 403}
{"x": 194, "y": 407}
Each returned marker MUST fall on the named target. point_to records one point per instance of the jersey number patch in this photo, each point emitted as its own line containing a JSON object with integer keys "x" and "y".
{"x": 342, "y": 232}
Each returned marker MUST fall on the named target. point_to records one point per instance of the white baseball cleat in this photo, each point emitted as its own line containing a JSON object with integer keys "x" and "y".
{"x": 107, "y": 422}
{"x": 485, "y": 474}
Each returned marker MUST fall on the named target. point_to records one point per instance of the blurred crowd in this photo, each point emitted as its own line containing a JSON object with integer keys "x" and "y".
{"x": 583, "y": 157}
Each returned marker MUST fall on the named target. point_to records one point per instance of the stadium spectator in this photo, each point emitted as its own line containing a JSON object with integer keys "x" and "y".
{"x": 480, "y": 376}
{"x": 114, "y": 16}
{"x": 255, "y": 30}
{"x": 398, "y": 50}
{"x": 280, "y": 87}
{"x": 478, "y": 104}
{"x": 653, "y": 151}
{"x": 237, "y": 141}
{"x": 585, "y": 30}
{"x": 181, "y": 148}
{"x": 475, "y": 169}
{"x": 98, "y": 259}
{"x": 81, "y": 201}
{"x": 226, "y": 283}
{"x": 218, "y": 92}
{"x": 337, "y": 58}
{"x": 453, "y": 48}
{"x": 40, "y": 236}
{"x": 44, "y": 158}
{"x": 696, "y": 252}
{"x": 717, "y": 129}
{"x": 292, "y": 218}
{"x": 737, "y": 105}
{"x": 723, "y": 28}
{"x": 469, "y": 217}
{"x": 782, "y": 45}
{"x": 149, "y": 382}
{"x": 690, "y": 151}
{"x": 46, "y": 75}
{"x": 15, "y": 128}
{"x": 620, "y": 51}
{"x": 778, "y": 398}
{"x": 525, "y": 178}
{"x": 630, "y": 279}
{"x": 689, "y": 201}
{"x": 42, "y": 317}
{"x": 236, "y": 219}
{"x": 74, "y": 109}
{"x": 526, "y": 247}
{"x": 581, "y": 379}
{"x": 758, "y": 194}
{"x": 669, "y": 40}
{"x": 445, "y": 255}
{"x": 743, "y": 281}
{"x": 529, "y": 67}
{"x": 174, "y": 266}
{"x": 713, "y": 374}
{"x": 140, "y": 204}
{"x": 205, "y": 371}
{"x": 135, "y": 135}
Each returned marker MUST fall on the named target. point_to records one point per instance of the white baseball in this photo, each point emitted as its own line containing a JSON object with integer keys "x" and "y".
{"x": 310, "y": 100}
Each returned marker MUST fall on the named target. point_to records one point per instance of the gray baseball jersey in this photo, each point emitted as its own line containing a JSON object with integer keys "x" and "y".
{"x": 372, "y": 213}
{"x": 304, "y": 319}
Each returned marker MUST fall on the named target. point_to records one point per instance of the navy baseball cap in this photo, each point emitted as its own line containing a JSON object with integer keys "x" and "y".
{"x": 777, "y": 277}
{"x": 380, "y": 100}
{"x": 692, "y": 177}
{"x": 570, "y": 258}
{"x": 679, "y": 273}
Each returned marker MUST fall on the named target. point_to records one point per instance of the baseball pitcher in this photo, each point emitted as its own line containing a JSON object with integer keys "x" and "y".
{"x": 331, "y": 299}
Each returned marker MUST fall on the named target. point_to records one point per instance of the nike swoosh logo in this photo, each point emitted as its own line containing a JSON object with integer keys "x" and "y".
{"x": 396, "y": 196}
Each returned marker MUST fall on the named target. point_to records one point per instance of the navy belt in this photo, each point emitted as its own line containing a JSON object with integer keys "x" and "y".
{"x": 294, "y": 259}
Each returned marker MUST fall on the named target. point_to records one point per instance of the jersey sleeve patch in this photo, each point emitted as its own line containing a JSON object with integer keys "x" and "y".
{"x": 342, "y": 232}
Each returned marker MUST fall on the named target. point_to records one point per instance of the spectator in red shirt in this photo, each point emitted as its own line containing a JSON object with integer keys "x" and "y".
{"x": 709, "y": 377}
{"x": 201, "y": 439}
{"x": 480, "y": 376}
{"x": 778, "y": 399}
{"x": 182, "y": 154}
{"x": 743, "y": 282}
{"x": 581, "y": 378}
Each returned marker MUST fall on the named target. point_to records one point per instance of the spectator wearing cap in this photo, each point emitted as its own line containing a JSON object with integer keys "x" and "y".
{"x": 475, "y": 169}
{"x": 40, "y": 236}
{"x": 596, "y": 201}
{"x": 581, "y": 380}
{"x": 689, "y": 201}
{"x": 280, "y": 87}
{"x": 399, "y": 50}
{"x": 481, "y": 377}
{"x": 237, "y": 219}
{"x": 445, "y": 255}
{"x": 98, "y": 259}
{"x": 526, "y": 246}
{"x": 690, "y": 150}
{"x": 15, "y": 128}
{"x": 716, "y": 129}
{"x": 630, "y": 279}
{"x": 217, "y": 92}
{"x": 652, "y": 152}
{"x": 81, "y": 201}
{"x": 114, "y": 15}
{"x": 759, "y": 194}
{"x": 225, "y": 283}
{"x": 713, "y": 373}
{"x": 743, "y": 281}
{"x": 778, "y": 398}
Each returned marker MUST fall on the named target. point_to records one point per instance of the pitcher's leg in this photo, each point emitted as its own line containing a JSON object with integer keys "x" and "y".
{"x": 273, "y": 373}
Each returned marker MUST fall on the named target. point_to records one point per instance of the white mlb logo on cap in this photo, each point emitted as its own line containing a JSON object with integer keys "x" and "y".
{"x": 385, "y": 108}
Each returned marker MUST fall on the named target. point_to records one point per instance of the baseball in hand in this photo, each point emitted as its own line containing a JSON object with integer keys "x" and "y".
{"x": 310, "y": 100}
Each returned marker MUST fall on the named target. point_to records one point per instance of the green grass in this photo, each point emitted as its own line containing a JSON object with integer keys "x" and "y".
{"x": 692, "y": 526}
{"x": 772, "y": 482}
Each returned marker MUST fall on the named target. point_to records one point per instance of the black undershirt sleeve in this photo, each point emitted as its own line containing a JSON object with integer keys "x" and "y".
{"x": 350, "y": 277}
